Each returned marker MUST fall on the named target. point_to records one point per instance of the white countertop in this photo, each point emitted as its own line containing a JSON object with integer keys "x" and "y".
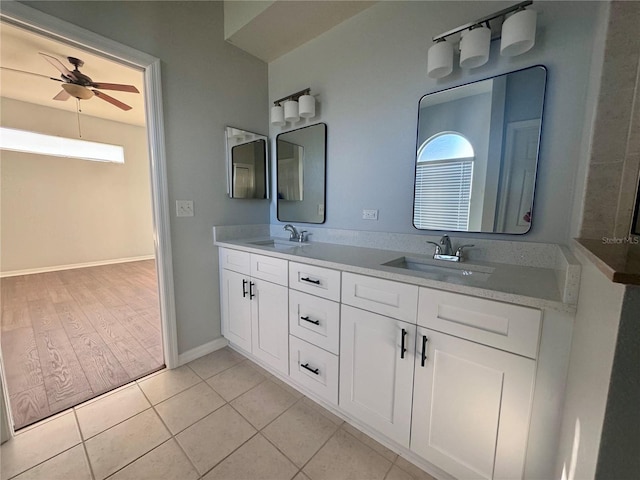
{"x": 522, "y": 285}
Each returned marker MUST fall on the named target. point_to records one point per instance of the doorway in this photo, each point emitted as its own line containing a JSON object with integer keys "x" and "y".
{"x": 141, "y": 294}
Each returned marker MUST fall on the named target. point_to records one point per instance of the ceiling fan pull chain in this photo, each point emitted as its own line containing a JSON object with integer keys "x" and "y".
{"x": 78, "y": 115}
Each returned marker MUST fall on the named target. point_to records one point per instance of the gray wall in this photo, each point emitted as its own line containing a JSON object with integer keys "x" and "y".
{"x": 207, "y": 84}
{"x": 369, "y": 73}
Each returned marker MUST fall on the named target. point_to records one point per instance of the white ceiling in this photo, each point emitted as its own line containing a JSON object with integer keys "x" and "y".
{"x": 268, "y": 30}
{"x": 19, "y": 49}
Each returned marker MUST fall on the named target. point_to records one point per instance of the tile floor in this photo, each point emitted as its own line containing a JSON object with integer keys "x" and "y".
{"x": 219, "y": 417}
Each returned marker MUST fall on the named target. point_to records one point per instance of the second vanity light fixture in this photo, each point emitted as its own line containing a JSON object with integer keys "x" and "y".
{"x": 518, "y": 36}
{"x": 292, "y": 107}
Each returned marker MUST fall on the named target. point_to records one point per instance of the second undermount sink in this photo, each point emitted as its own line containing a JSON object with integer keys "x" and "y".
{"x": 441, "y": 268}
{"x": 276, "y": 243}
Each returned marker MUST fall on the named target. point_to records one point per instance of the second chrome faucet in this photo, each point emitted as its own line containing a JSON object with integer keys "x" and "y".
{"x": 294, "y": 235}
{"x": 444, "y": 250}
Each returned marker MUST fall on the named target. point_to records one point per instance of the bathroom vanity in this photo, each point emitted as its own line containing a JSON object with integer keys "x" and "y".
{"x": 458, "y": 367}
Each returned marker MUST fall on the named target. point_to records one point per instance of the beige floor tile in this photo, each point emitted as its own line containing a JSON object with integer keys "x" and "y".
{"x": 300, "y": 432}
{"x": 256, "y": 460}
{"x": 301, "y": 476}
{"x": 415, "y": 472}
{"x": 236, "y": 380}
{"x": 214, "y": 437}
{"x": 114, "y": 448}
{"x": 334, "y": 418}
{"x": 186, "y": 408}
{"x": 168, "y": 383}
{"x": 367, "y": 440}
{"x": 263, "y": 404}
{"x": 39, "y": 443}
{"x": 216, "y": 362}
{"x": 345, "y": 457}
{"x": 167, "y": 462}
{"x": 286, "y": 387}
{"x": 397, "y": 474}
{"x": 111, "y": 409}
{"x": 71, "y": 464}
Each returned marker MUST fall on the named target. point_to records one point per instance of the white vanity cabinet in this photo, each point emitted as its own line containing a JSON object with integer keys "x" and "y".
{"x": 471, "y": 401}
{"x": 254, "y": 300}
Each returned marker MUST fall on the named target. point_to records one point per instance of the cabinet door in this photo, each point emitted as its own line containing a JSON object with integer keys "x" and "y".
{"x": 376, "y": 377}
{"x": 270, "y": 324}
{"x": 471, "y": 407}
{"x": 236, "y": 309}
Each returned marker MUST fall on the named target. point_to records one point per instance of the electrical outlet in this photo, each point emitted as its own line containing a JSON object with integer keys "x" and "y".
{"x": 184, "y": 208}
{"x": 370, "y": 214}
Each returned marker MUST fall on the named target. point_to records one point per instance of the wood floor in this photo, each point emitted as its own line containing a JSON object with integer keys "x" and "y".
{"x": 70, "y": 335}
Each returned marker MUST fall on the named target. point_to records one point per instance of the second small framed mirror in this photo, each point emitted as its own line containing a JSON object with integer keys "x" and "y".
{"x": 247, "y": 165}
{"x": 301, "y": 171}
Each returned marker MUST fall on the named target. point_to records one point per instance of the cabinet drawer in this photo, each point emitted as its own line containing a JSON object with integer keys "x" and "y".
{"x": 393, "y": 299}
{"x": 508, "y": 327}
{"x": 235, "y": 260}
{"x": 315, "y": 280}
{"x": 315, "y": 319}
{"x": 269, "y": 269}
{"x": 321, "y": 373}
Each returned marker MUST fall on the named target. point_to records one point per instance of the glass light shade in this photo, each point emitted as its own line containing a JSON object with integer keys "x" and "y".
{"x": 474, "y": 47}
{"x": 307, "y": 106}
{"x": 440, "y": 60}
{"x": 291, "y": 111}
{"x": 518, "y": 33}
{"x": 277, "y": 116}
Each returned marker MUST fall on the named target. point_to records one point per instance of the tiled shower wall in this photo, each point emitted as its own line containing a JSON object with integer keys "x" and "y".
{"x": 612, "y": 180}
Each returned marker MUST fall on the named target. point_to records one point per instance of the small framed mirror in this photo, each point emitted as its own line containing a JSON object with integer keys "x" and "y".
{"x": 301, "y": 171}
{"x": 477, "y": 154}
{"x": 247, "y": 164}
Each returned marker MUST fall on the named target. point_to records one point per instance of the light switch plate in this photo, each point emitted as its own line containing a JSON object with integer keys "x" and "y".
{"x": 184, "y": 208}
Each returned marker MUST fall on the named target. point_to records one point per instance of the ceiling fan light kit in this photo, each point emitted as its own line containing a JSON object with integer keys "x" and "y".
{"x": 78, "y": 85}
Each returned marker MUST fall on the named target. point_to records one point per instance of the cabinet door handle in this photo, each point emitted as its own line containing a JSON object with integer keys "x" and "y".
{"x": 307, "y": 319}
{"x": 244, "y": 289}
{"x": 306, "y": 366}
{"x": 402, "y": 348}
{"x": 251, "y": 294}
{"x": 307, "y": 279}
{"x": 424, "y": 350}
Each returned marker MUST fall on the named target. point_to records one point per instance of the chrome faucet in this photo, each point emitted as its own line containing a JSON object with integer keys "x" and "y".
{"x": 294, "y": 235}
{"x": 444, "y": 250}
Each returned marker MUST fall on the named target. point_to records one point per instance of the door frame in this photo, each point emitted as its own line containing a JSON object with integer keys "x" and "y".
{"x": 48, "y": 25}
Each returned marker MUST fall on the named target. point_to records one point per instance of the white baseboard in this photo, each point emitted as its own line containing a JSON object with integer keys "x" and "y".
{"x": 29, "y": 271}
{"x": 198, "y": 352}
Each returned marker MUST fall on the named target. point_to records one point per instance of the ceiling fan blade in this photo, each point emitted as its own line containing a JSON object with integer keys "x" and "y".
{"x": 31, "y": 73}
{"x": 59, "y": 65}
{"x": 111, "y": 100}
{"x": 63, "y": 95}
{"x": 115, "y": 86}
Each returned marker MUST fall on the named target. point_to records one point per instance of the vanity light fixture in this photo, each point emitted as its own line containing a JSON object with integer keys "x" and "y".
{"x": 518, "y": 36}
{"x": 292, "y": 107}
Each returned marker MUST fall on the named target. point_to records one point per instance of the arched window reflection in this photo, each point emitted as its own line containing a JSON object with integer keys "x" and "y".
{"x": 444, "y": 173}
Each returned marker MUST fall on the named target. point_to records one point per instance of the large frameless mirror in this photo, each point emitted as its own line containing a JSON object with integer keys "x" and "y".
{"x": 477, "y": 154}
{"x": 301, "y": 166}
{"x": 247, "y": 167}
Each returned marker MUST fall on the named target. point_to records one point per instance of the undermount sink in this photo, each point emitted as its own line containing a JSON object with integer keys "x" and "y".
{"x": 276, "y": 243}
{"x": 471, "y": 272}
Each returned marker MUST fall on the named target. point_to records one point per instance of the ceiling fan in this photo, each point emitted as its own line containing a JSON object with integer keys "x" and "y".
{"x": 77, "y": 84}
